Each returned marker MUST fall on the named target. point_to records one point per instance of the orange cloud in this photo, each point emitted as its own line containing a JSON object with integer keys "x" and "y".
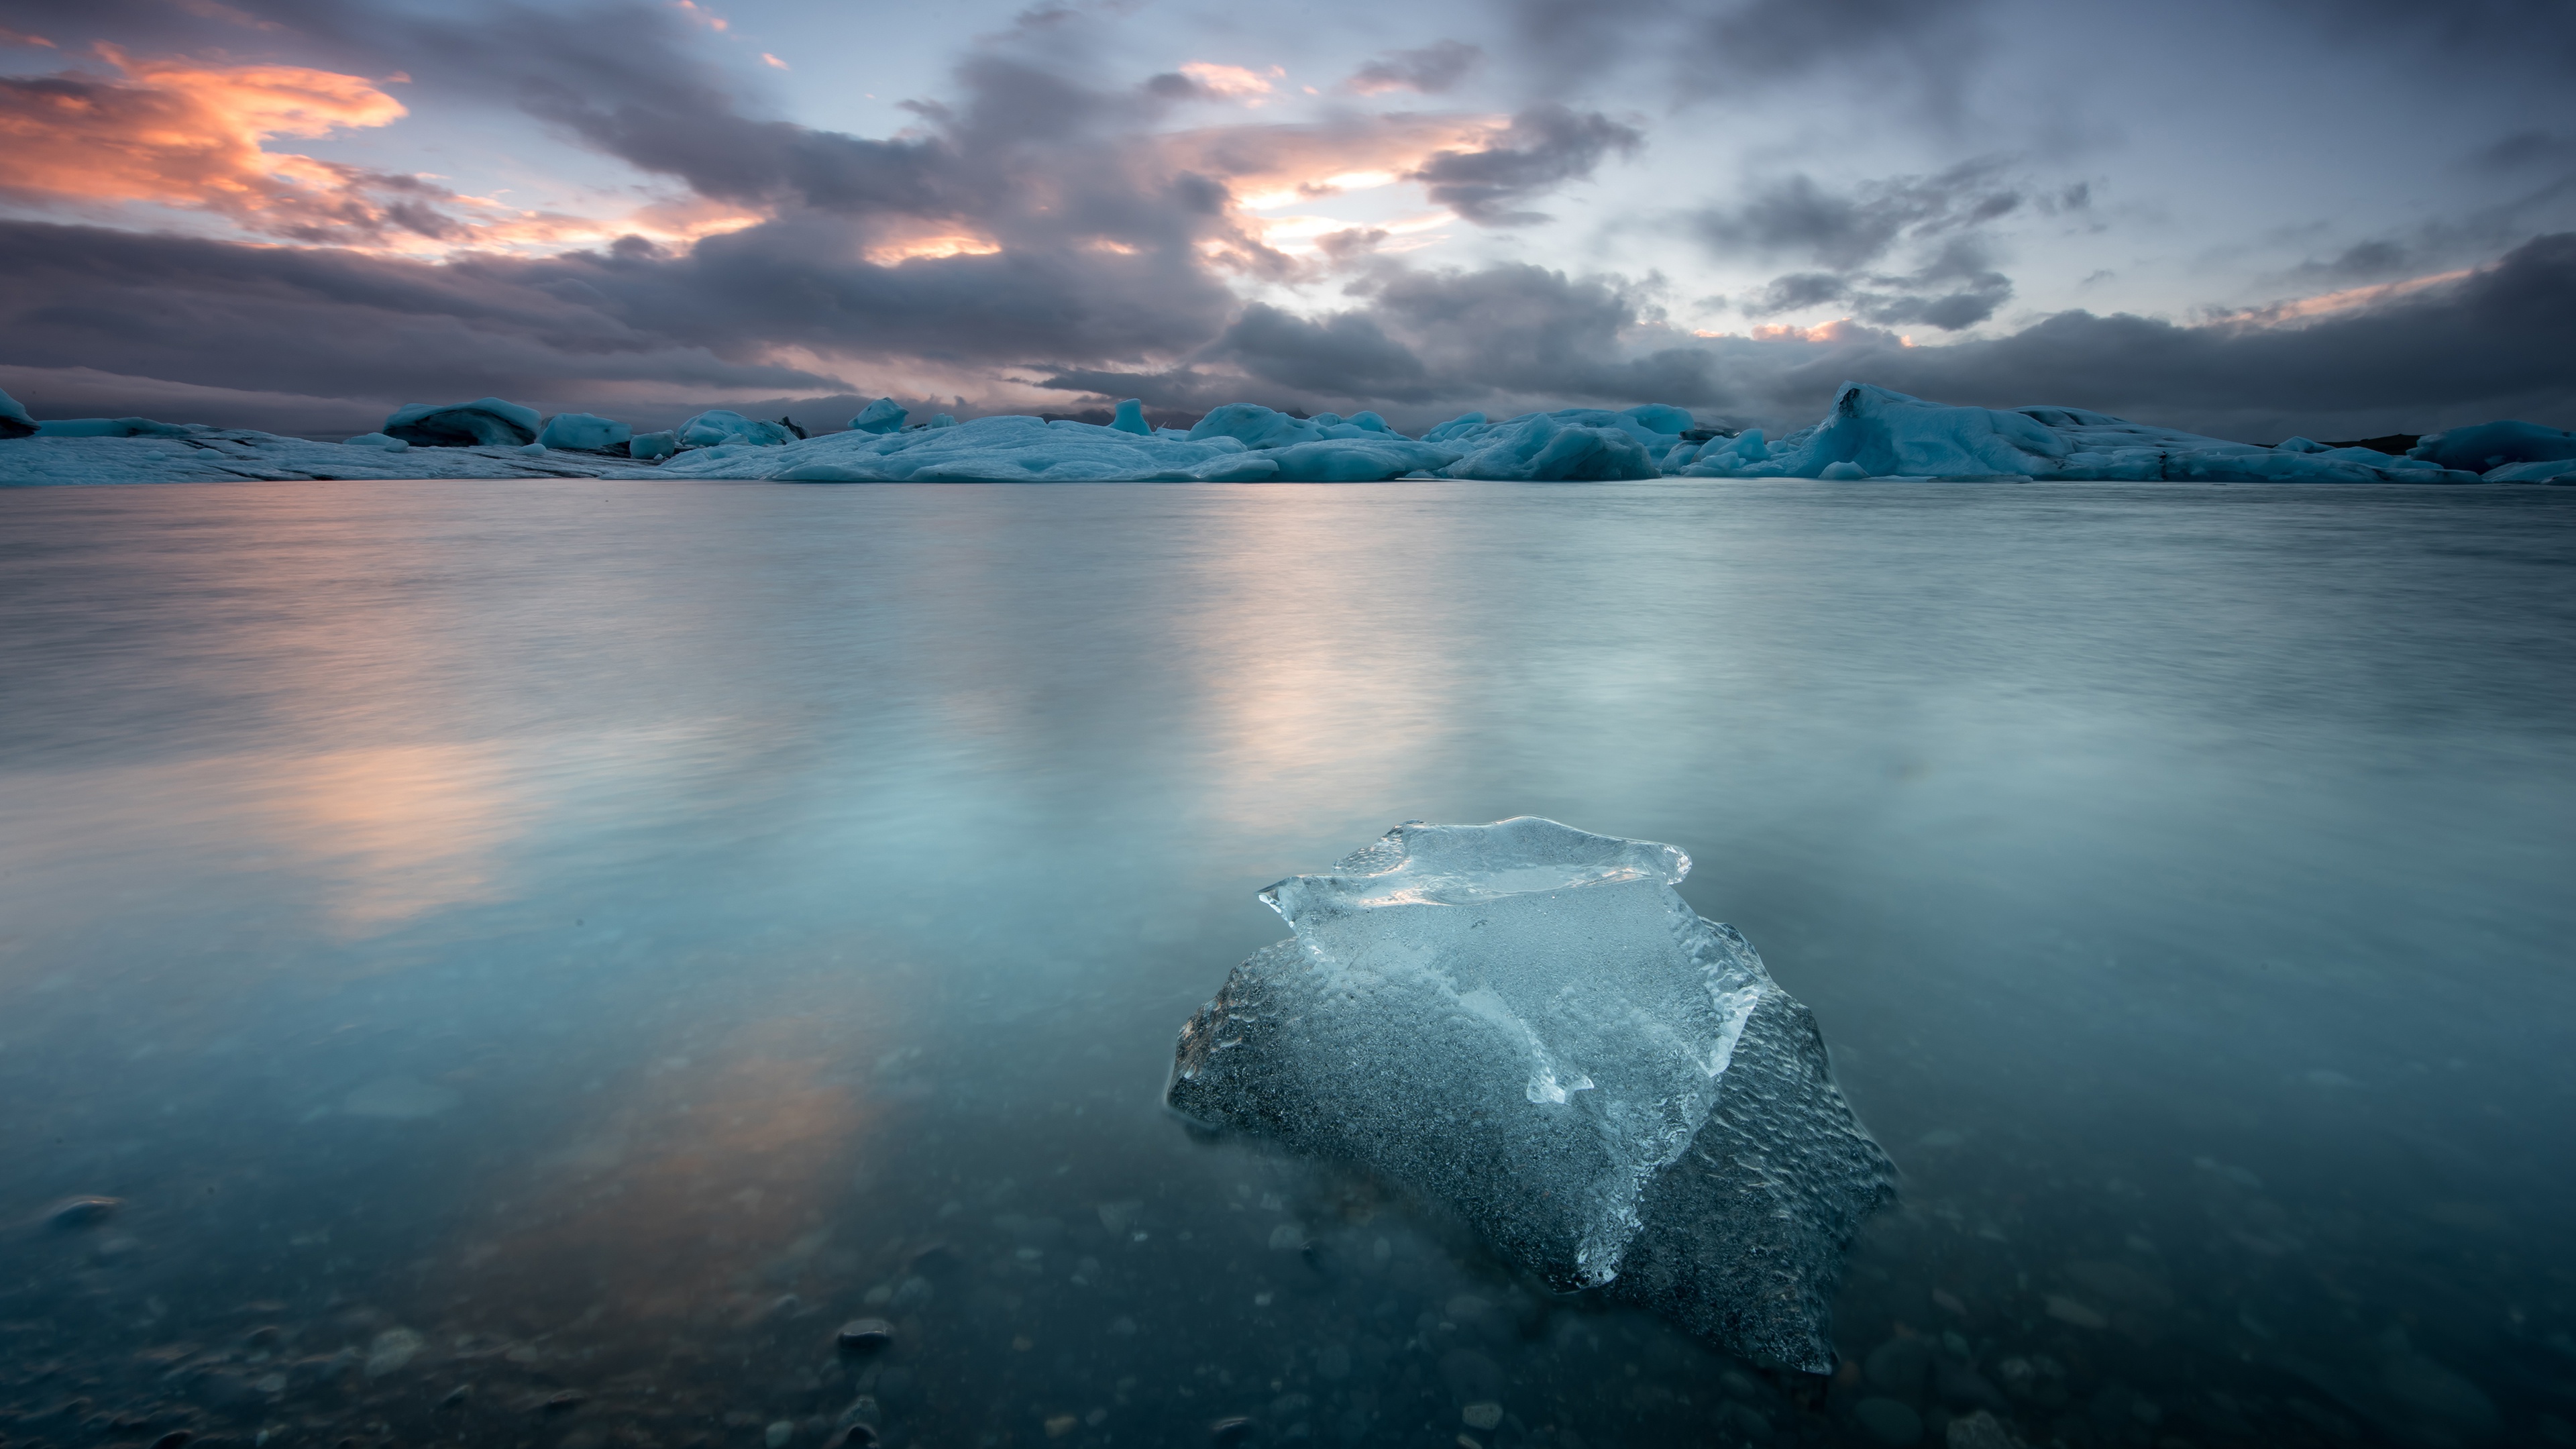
{"x": 196, "y": 136}
{"x": 1230, "y": 80}
{"x": 193, "y": 136}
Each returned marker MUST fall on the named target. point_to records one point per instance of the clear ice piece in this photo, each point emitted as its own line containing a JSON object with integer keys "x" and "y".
{"x": 1525, "y": 1023}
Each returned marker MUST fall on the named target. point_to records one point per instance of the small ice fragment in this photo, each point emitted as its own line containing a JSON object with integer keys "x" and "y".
{"x": 1527, "y": 1023}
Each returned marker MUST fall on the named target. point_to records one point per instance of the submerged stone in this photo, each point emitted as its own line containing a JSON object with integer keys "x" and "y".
{"x": 1525, "y": 1023}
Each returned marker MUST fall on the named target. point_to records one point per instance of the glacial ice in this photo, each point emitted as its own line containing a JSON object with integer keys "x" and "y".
{"x": 1561, "y": 446}
{"x": 1870, "y": 433}
{"x": 108, "y": 428}
{"x": 1873, "y": 432}
{"x": 586, "y": 433}
{"x": 485, "y": 422}
{"x": 718, "y": 426}
{"x": 386, "y": 441}
{"x": 1525, "y": 1023}
{"x": 881, "y": 416}
{"x": 2490, "y": 446}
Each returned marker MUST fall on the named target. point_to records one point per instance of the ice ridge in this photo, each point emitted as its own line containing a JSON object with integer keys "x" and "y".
{"x": 1525, "y": 1023}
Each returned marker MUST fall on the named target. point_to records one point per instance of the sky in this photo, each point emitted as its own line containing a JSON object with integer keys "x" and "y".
{"x": 2342, "y": 218}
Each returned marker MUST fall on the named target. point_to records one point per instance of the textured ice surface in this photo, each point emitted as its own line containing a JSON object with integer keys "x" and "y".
{"x": 1525, "y": 1022}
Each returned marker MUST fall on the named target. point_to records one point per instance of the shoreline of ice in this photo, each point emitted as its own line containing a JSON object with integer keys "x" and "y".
{"x": 1870, "y": 433}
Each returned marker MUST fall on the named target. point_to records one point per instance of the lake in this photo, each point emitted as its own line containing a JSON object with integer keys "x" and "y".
{"x": 533, "y": 959}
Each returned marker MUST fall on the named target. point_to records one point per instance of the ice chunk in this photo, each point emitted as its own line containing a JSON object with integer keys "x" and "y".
{"x": 2494, "y": 445}
{"x": 1131, "y": 418}
{"x": 1885, "y": 434}
{"x": 1526, "y": 1023}
{"x": 485, "y": 422}
{"x": 1255, "y": 426}
{"x": 648, "y": 446}
{"x": 1663, "y": 418}
{"x": 2299, "y": 445}
{"x": 2539, "y": 470}
{"x": 943, "y": 420}
{"x": 193, "y": 453}
{"x": 718, "y": 426}
{"x": 1370, "y": 458}
{"x": 881, "y": 416}
{"x": 1574, "y": 445}
{"x": 585, "y": 433}
{"x": 1005, "y": 449}
{"x": 14, "y": 422}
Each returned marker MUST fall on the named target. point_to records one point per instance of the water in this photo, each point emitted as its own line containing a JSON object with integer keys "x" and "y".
{"x": 581, "y": 943}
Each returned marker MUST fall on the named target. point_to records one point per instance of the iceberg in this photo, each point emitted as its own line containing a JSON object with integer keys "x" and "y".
{"x": 193, "y": 453}
{"x": 485, "y": 422}
{"x": 1873, "y": 432}
{"x": 109, "y": 428}
{"x": 718, "y": 426}
{"x": 2491, "y": 446}
{"x": 1525, "y": 1023}
{"x": 1012, "y": 449}
{"x": 881, "y": 416}
{"x": 1574, "y": 445}
{"x": 585, "y": 433}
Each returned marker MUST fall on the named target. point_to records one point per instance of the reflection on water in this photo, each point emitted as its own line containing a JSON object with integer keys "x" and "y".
{"x": 534, "y": 960}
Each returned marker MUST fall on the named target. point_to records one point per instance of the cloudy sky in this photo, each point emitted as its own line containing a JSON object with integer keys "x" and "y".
{"x": 2338, "y": 217}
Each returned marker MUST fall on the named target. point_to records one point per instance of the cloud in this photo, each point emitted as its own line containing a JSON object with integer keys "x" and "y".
{"x": 1544, "y": 147}
{"x": 1841, "y": 234}
{"x": 194, "y": 136}
{"x": 1345, "y": 355}
{"x": 2482, "y": 345}
{"x": 322, "y": 322}
{"x": 1229, "y": 82}
{"x": 1920, "y": 52}
{"x": 1431, "y": 69}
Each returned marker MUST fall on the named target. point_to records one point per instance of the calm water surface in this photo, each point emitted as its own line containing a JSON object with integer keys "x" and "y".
{"x": 534, "y": 959}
